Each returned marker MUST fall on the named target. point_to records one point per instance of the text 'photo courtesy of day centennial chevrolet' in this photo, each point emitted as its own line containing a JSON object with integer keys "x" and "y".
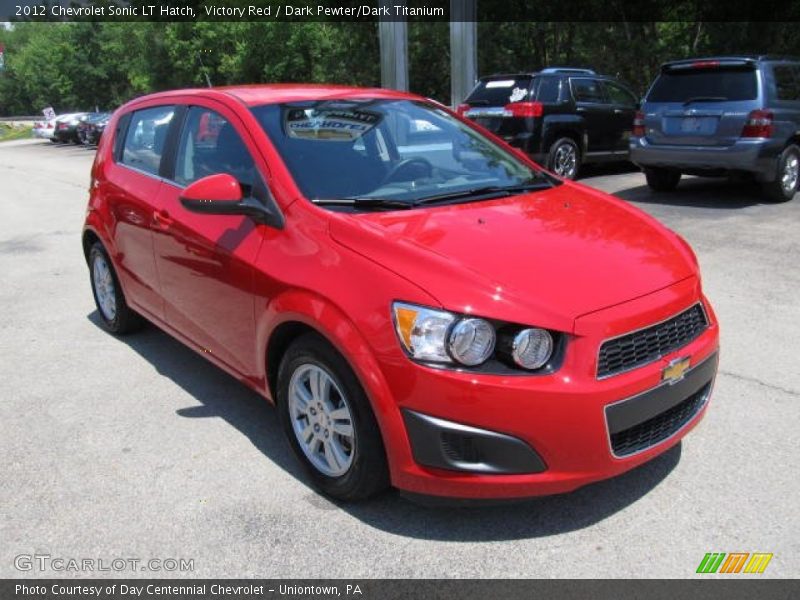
{"x": 426, "y": 307}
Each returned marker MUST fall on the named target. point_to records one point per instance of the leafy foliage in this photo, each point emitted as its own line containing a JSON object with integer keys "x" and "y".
{"x": 74, "y": 66}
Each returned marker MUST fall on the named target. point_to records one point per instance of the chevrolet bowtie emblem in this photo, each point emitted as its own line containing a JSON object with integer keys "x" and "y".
{"x": 675, "y": 370}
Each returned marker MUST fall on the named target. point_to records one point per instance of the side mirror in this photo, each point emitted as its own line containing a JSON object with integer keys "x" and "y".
{"x": 221, "y": 194}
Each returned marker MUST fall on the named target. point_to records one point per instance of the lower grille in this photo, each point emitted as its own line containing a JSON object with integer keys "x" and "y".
{"x": 659, "y": 428}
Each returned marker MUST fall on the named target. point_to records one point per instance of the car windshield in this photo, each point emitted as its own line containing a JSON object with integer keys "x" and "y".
{"x": 392, "y": 151}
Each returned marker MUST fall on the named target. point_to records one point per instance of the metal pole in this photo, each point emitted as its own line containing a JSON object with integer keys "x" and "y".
{"x": 393, "y": 37}
{"x": 463, "y": 49}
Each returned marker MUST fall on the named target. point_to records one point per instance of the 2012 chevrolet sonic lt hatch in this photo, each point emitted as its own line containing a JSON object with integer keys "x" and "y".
{"x": 426, "y": 306}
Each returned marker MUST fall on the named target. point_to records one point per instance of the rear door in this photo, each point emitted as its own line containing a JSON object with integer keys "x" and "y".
{"x": 705, "y": 103}
{"x": 594, "y": 107}
{"x": 133, "y": 185}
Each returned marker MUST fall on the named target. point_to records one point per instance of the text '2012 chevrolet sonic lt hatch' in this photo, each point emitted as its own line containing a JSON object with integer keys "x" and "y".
{"x": 426, "y": 307}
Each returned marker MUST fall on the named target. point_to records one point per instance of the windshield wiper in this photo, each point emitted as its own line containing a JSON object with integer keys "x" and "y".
{"x": 364, "y": 203}
{"x": 705, "y": 99}
{"x": 484, "y": 193}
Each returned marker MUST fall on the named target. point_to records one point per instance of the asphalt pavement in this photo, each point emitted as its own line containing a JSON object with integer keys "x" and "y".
{"x": 137, "y": 448}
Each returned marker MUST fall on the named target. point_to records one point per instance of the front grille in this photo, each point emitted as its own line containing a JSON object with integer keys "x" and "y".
{"x": 655, "y": 430}
{"x": 646, "y": 345}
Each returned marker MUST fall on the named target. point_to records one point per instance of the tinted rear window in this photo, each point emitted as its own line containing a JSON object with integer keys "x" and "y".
{"x": 727, "y": 84}
{"x": 500, "y": 91}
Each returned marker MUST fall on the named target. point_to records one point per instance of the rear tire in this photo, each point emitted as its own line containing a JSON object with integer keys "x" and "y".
{"x": 784, "y": 187}
{"x": 564, "y": 158}
{"x": 115, "y": 314}
{"x": 329, "y": 422}
{"x": 662, "y": 180}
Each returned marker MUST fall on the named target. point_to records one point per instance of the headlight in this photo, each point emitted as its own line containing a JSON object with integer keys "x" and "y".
{"x": 532, "y": 348}
{"x": 471, "y": 341}
{"x": 438, "y": 336}
{"x": 423, "y": 331}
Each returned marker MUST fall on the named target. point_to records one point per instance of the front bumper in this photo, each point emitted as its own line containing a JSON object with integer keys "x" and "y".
{"x": 758, "y": 156}
{"x": 567, "y": 421}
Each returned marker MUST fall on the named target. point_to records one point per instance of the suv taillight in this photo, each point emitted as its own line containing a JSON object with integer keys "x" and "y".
{"x": 524, "y": 109}
{"x": 638, "y": 124}
{"x": 461, "y": 109}
{"x": 758, "y": 125}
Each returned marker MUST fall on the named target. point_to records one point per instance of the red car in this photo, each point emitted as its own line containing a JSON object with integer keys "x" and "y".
{"x": 427, "y": 308}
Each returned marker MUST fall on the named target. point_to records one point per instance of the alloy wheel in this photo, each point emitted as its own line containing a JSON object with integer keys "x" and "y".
{"x": 321, "y": 420}
{"x": 791, "y": 170}
{"x": 565, "y": 161}
{"x": 104, "y": 288}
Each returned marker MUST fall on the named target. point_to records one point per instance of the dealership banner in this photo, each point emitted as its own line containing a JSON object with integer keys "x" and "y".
{"x": 396, "y": 10}
{"x": 388, "y": 589}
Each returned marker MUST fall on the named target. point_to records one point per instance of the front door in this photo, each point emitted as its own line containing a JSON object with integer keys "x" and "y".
{"x": 592, "y": 105}
{"x": 205, "y": 261}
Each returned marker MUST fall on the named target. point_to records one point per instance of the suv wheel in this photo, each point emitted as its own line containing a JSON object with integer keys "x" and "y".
{"x": 662, "y": 180}
{"x": 115, "y": 314}
{"x": 329, "y": 422}
{"x": 564, "y": 158}
{"x": 784, "y": 187}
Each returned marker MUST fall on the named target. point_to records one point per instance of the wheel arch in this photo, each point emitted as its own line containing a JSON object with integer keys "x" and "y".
{"x": 298, "y": 312}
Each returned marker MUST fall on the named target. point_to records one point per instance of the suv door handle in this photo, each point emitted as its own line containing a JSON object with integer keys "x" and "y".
{"x": 617, "y": 111}
{"x": 162, "y": 219}
{"x": 579, "y": 109}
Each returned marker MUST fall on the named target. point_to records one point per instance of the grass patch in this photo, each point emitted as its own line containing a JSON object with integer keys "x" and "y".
{"x": 7, "y": 132}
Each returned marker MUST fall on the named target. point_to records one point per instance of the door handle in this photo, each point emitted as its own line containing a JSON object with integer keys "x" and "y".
{"x": 579, "y": 109}
{"x": 162, "y": 219}
{"x": 617, "y": 111}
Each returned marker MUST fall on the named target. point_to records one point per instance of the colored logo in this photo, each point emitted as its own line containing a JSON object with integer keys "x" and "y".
{"x": 735, "y": 562}
{"x": 675, "y": 370}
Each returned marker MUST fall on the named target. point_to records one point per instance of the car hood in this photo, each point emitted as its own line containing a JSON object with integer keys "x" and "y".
{"x": 542, "y": 258}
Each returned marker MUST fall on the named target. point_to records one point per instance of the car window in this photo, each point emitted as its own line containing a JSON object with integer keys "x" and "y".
{"x": 145, "y": 139}
{"x": 548, "y": 89}
{"x": 725, "y": 84}
{"x": 500, "y": 91}
{"x": 585, "y": 89}
{"x": 619, "y": 95}
{"x": 209, "y": 145}
{"x": 786, "y": 83}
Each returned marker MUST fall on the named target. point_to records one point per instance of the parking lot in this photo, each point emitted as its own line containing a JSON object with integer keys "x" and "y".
{"x": 139, "y": 448}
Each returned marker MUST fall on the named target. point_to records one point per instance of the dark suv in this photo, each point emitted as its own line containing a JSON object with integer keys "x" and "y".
{"x": 722, "y": 116}
{"x": 561, "y": 117}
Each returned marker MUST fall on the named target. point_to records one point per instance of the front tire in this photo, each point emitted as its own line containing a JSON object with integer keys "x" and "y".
{"x": 662, "y": 180}
{"x": 784, "y": 187}
{"x": 328, "y": 421}
{"x": 115, "y": 314}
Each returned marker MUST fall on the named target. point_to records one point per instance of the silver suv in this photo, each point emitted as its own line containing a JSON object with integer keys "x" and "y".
{"x": 722, "y": 116}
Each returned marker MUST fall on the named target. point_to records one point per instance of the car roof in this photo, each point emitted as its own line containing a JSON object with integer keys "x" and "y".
{"x": 274, "y": 93}
{"x": 733, "y": 57}
{"x": 560, "y": 72}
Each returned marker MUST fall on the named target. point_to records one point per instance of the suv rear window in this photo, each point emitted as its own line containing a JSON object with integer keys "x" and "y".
{"x": 725, "y": 84}
{"x": 500, "y": 91}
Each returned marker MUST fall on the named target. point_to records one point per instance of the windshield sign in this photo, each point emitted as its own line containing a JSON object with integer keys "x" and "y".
{"x": 329, "y": 125}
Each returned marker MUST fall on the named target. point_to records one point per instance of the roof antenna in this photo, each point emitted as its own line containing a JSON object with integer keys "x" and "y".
{"x": 205, "y": 71}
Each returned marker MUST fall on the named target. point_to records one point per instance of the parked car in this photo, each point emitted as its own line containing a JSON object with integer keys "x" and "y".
{"x": 721, "y": 116}
{"x": 66, "y": 128}
{"x": 91, "y": 127}
{"x": 44, "y": 129}
{"x": 426, "y": 306}
{"x": 561, "y": 117}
